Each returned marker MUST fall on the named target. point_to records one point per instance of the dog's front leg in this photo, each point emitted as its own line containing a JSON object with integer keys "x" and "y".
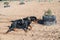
{"x": 30, "y": 27}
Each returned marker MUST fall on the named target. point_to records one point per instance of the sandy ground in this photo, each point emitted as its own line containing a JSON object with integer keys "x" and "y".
{"x": 38, "y": 32}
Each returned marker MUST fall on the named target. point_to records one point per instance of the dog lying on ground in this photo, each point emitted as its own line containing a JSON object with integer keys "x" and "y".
{"x": 22, "y": 24}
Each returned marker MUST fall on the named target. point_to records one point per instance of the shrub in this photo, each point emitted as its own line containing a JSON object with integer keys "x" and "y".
{"x": 22, "y": 2}
{"x": 6, "y": 4}
{"x": 48, "y": 12}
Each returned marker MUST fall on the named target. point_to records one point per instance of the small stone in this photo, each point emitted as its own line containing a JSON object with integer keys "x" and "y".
{"x": 59, "y": 37}
{"x": 32, "y": 35}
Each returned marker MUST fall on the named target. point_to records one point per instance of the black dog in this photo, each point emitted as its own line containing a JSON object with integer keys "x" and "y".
{"x": 22, "y": 23}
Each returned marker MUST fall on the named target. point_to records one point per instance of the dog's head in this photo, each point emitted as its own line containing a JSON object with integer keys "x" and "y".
{"x": 33, "y": 18}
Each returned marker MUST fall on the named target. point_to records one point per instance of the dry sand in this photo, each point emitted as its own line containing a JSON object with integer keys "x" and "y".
{"x": 38, "y": 32}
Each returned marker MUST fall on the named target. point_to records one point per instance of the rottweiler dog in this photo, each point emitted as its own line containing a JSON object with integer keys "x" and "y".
{"x": 22, "y": 24}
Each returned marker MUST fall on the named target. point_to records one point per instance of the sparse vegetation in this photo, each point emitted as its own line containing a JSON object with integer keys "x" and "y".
{"x": 22, "y": 2}
{"x": 49, "y": 12}
{"x": 6, "y": 4}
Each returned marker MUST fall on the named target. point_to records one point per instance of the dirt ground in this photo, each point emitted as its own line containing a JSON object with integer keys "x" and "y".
{"x": 38, "y": 32}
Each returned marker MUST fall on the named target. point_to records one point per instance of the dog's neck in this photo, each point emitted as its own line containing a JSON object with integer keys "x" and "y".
{"x": 29, "y": 18}
{"x": 22, "y": 21}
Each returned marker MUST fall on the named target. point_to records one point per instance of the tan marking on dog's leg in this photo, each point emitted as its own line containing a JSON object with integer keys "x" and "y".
{"x": 15, "y": 29}
{"x": 36, "y": 21}
{"x": 30, "y": 27}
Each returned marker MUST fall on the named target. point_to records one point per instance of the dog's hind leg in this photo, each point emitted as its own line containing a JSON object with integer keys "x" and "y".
{"x": 11, "y": 28}
{"x": 9, "y": 31}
